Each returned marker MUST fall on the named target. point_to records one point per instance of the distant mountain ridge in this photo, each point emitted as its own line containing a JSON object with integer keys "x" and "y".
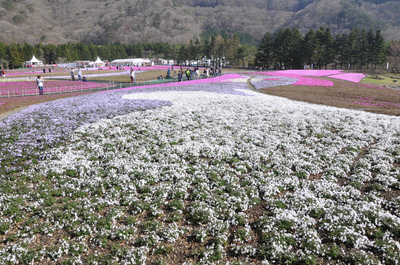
{"x": 178, "y": 21}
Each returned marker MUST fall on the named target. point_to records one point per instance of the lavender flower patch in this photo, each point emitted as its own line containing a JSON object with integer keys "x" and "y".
{"x": 260, "y": 82}
{"x": 51, "y": 122}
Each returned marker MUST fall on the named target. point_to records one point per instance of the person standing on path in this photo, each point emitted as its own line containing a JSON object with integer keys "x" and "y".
{"x": 132, "y": 76}
{"x": 72, "y": 74}
{"x": 79, "y": 74}
{"x": 169, "y": 73}
{"x": 179, "y": 76}
{"x": 40, "y": 82}
{"x": 188, "y": 74}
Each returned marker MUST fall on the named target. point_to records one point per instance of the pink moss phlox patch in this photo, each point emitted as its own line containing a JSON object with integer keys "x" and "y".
{"x": 352, "y": 77}
{"x": 308, "y": 72}
{"x": 336, "y": 74}
{"x": 372, "y": 103}
{"x": 303, "y": 81}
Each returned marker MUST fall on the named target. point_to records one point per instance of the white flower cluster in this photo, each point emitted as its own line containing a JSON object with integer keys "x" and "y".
{"x": 240, "y": 176}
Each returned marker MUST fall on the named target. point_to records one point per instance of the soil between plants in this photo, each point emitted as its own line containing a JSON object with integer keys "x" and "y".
{"x": 343, "y": 94}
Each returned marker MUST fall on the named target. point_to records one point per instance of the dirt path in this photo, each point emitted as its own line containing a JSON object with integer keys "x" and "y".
{"x": 8, "y": 113}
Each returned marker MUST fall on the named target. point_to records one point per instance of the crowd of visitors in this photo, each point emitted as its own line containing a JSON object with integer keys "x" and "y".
{"x": 194, "y": 74}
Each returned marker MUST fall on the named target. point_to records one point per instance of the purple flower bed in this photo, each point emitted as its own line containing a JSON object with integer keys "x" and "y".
{"x": 219, "y": 79}
{"x": 51, "y": 122}
{"x": 303, "y": 81}
{"x": 262, "y": 82}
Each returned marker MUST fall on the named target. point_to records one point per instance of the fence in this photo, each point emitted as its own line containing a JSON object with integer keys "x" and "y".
{"x": 20, "y": 92}
{"x": 90, "y": 86}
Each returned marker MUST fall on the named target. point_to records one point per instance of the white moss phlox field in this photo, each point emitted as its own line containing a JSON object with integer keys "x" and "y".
{"x": 245, "y": 177}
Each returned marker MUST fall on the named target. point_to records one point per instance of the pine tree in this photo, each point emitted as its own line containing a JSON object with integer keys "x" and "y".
{"x": 325, "y": 50}
{"x": 363, "y": 49}
{"x": 15, "y": 54}
{"x": 264, "y": 56}
{"x": 379, "y": 49}
{"x": 342, "y": 50}
{"x": 353, "y": 46}
{"x": 295, "y": 48}
{"x": 309, "y": 47}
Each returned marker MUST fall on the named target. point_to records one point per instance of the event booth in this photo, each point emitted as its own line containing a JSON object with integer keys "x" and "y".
{"x": 33, "y": 62}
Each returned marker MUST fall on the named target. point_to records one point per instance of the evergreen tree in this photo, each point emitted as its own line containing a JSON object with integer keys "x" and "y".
{"x": 50, "y": 53}
{"x": 363, "y": 49}
{"x": 309, "y": 47}
{"x": 342, "y": 50}
{"x": 282, "y": 47}
{"x": 370, "y": 53}
{"x": 295, "y": 54}
{"x": 15, "y": 55}
{"x": 264, "y": 56}
{"x": 28, "y": 51}
{"x": 379, "y": 49}
{"x": 353, "y": 46}
{"x": 325, "y": 49}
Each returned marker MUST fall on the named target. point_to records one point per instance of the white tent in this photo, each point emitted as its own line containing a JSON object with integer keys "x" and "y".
{"x": 34, "y": 62}
{"x": 133, "y": 61}
{"x": 98, "y": 62}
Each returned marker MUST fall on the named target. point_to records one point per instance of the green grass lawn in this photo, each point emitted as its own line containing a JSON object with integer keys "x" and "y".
{"x": 388, "y": 80}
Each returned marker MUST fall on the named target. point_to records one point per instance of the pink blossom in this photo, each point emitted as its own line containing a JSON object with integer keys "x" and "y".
{"x": 303, "y": 81}
{"x": 352, "y": 77}
{"x": 308, "y": 72}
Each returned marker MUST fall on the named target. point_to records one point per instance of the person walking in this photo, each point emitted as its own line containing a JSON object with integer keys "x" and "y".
{"x": 188, "y": 74}
{"x": 132, "y": 76}
{"x": 179, "y": 76}
{"x": 169, "y": 73}
{"x": 79, "y": 74}
{"x": 40, "y": 82}
{"x": 72, "y": 74}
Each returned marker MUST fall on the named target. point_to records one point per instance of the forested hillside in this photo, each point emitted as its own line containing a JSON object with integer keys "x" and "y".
{"x": 178, "y": 21}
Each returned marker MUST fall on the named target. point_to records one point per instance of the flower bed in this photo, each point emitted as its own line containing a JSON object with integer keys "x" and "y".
{"x": 303, "y": 78}
{"x": 29, "y": 87}
{"x": 207, "y": 173}
{"x": 352, "y": 77}
{"x": 260, "y": 82}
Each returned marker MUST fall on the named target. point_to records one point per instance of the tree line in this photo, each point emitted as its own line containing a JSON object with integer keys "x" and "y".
{"x": 359, "y": 49}
{"x": 287, "y": 48}
{"x": 222, "y": 48}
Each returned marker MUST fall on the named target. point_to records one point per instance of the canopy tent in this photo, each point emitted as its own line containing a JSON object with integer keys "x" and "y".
{"x": 34, "y": 62}
{"x": 97, "y": 63}
{"x": 132, "y": 62}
